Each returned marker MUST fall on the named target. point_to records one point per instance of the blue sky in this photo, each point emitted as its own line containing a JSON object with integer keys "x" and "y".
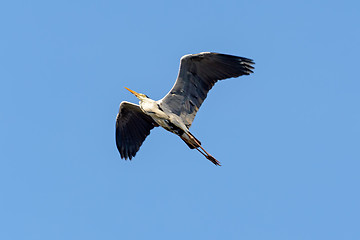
{"x": 287, "y": 136}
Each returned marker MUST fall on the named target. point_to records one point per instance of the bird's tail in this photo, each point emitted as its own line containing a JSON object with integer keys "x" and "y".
{"x": 192, "y": 142}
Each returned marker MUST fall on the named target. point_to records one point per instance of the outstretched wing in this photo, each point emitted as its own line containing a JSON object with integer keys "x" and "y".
{"x": 132, "y": 127}
{"x": 197, "y": 75}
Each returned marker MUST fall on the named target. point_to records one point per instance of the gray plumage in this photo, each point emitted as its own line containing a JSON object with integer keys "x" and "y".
{"x": 197, "y": 75}
{"x": 132, "y": 127}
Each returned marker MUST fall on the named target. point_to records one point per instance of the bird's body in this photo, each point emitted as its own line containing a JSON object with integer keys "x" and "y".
{"x": 163, "y": 118}
{"x": 176, "y": 111}
{"x": 166, "y": 119}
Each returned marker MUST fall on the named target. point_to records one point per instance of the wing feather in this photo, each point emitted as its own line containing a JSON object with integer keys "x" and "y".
{"x": 197, "y": 75}
{"x": 132, "y": 127}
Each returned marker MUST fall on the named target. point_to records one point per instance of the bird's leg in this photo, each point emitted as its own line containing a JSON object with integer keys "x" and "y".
{"x": 209, "y": 157}
{"x": 201, "y": 152}
{"x": 206, "y": 154}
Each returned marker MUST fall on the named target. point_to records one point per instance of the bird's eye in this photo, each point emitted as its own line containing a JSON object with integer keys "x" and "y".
{"x": 147, "y": 96}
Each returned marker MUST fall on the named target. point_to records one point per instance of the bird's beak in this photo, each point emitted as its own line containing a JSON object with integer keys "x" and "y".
{"x": 133, "y": 92}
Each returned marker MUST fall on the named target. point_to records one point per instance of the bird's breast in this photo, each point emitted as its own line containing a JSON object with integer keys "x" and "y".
{"x": 153, "y": 110}
{"x": 169, "y": 121}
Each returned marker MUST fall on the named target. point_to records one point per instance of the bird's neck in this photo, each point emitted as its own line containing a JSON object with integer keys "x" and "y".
{"x": 147, "y": 104}
{"x": 152, "y": 108}
{"x": 146, "y": 101}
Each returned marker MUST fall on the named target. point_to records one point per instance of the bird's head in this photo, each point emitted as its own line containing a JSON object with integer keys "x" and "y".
{"x": 140, "y": 96}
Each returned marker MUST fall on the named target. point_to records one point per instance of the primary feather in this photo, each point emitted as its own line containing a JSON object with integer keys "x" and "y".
{"x": 197, "y": 75}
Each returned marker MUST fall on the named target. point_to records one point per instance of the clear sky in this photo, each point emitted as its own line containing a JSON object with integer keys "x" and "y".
{"x": 288, "y": 136}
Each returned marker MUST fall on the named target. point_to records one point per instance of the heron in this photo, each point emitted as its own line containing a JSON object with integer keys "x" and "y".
{"x": 176, "y": 111}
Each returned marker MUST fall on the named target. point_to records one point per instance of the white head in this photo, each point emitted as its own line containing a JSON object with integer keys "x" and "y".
{"x": 140, "y": 96}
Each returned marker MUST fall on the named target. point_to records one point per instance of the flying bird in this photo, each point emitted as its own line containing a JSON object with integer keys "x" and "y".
{"x": 176, "y": 111}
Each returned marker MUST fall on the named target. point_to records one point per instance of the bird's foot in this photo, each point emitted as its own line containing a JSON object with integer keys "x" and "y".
{"x": 213, "y": 160}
